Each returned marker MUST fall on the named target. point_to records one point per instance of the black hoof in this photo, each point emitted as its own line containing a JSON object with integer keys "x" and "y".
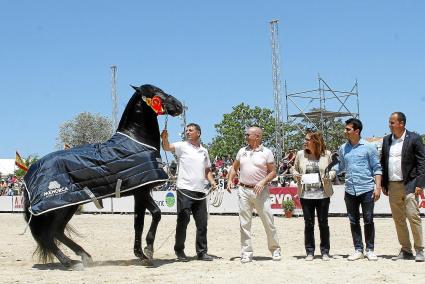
{"x": 149, "y": 252}
{"x": 147, "y": 262}
{"x": 139, "y": 254}
{"x": 77, "y": 267}
{"x": 87, "y": 260}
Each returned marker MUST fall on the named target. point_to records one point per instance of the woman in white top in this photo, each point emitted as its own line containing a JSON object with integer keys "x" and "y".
{"x": 314, "y": 190}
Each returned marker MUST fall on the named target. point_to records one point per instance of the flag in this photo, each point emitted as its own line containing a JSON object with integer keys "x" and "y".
{"x": 20, "y": 163}
{"x": 66, "y": 146}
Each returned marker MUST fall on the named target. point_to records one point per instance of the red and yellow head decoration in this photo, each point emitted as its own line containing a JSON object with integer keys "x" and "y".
{"x": 156, "y": 104}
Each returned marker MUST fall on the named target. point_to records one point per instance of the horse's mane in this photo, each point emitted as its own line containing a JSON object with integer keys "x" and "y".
{"x": 128, "y": 107}
{"x": 140, "y": 124}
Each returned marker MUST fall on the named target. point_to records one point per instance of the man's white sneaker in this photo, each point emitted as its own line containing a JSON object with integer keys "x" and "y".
{"x": 371, "y": 256}
{"x": 276, "y": 255}
{"x": 245, "y": 259}
{"x": 326, "y": 257}
{"x": 356, "y": 255}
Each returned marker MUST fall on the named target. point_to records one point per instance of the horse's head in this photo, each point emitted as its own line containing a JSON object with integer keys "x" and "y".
{"x": 139, "y": 119}
{"x": 159, "y": 101}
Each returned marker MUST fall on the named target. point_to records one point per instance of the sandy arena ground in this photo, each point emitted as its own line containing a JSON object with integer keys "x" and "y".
{"x": 109, "y": 239}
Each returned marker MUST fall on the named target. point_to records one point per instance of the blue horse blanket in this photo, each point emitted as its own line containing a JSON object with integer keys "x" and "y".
{"x": 90, "y": 172}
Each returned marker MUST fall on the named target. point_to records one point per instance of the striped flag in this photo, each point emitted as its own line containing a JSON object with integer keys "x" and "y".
{"x": 19, "y": 162}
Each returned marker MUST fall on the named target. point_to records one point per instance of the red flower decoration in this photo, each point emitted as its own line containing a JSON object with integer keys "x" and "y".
{"x": 156, "y": 105}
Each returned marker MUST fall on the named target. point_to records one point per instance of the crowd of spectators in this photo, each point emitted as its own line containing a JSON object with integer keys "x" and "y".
{"x": 220, "y": 168}
{"x": 284, "y": 177}
{"x": 10, "y": 186}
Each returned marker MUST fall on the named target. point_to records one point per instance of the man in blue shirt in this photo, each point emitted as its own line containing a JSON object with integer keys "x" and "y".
{"x": 359, "y": 159}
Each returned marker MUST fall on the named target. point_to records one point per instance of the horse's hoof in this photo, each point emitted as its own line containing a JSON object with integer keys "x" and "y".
{"x": 87, "y": 260}
{"x": 77, "y": 267}
{"x": 139, "y": 254}
{"x": 147, "y": 262}
{"x": 148, "y": 252}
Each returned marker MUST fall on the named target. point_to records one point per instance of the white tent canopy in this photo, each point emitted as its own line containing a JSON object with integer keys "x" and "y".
{"x": 7, "y": 167}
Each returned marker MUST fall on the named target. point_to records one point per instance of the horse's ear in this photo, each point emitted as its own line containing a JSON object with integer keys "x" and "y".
{"x": 137, "y": 89}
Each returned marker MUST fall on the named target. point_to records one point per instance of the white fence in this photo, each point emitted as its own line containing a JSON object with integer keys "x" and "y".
{"x": 166, "y": 201}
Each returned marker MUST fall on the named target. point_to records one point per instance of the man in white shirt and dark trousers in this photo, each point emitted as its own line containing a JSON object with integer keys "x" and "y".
{"x": 403, "y": 180}
{"x": 193, "y": 169}
{"x": 257, "y": 169}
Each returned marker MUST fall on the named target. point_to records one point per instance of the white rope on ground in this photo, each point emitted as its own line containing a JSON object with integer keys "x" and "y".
{"x": 26, "y": 227}
{"x": 166, "y": 239}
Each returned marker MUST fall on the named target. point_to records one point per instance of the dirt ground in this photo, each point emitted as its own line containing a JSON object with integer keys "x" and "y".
{"x": 109, "y": 239}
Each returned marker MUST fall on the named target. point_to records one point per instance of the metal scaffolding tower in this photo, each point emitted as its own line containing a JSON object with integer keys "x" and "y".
{"x": 114, "y": 98}
{"x": 315, "y": 107}
{"x": 277, "y": 95}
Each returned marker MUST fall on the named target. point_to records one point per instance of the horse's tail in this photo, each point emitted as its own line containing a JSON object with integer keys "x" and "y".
{"x": 27, "y": 213}
{"x": 41, "y": 230}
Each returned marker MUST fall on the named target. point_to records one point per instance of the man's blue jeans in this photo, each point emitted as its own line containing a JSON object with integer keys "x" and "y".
{"x": 353, "y": 204}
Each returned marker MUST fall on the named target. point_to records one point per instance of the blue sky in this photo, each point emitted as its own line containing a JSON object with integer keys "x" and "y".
{"x": 56, "y": 56}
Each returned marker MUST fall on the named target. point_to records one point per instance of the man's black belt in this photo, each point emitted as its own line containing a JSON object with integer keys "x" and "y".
{"x": 246, "y": 185}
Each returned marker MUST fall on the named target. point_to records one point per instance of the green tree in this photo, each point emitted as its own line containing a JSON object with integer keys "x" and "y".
{"x": 27, "y": 162}
{"x": 85, "y": 128}
{"x": 293, "y": 136}
{"x": 231, "y": 130}
{"x": 334, "y": 134}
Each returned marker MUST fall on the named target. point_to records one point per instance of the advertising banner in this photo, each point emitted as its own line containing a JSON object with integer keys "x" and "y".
{"x": 279, "y": 194}
{"x": 18, "y": 203}
{"x": 6, "y": 203}
{"x": 167, "y": 202}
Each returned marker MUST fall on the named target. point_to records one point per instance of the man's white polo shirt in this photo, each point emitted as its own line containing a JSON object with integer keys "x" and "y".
{"x": 193, "y": 161}
{"x": 253, "y": 164}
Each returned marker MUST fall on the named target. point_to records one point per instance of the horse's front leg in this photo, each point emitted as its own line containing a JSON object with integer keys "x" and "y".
{"x": 156, "y": 217}
{"x": 139, "y": 220}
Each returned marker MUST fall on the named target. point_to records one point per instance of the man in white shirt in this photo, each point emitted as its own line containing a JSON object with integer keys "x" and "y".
{"x": 257, "y": 169}
{"x": 193, "y": 168}
{"x": 403, "y": 180}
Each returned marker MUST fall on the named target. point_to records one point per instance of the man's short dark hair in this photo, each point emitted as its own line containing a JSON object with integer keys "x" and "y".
{"x": 357, "y": 124}
{"x": 401, "y": 117}
{"x": 197, "y": 127}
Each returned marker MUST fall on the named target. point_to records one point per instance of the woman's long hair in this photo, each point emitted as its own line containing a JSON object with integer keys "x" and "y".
{"x": 318, "y": 142}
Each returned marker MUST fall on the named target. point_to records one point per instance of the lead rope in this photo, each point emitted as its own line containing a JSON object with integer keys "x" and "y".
{"x": 168, "y": 173}
{"x": 165, "y": 152}
{"x": 26, "y": 227}
{"x": 217, "y": 197}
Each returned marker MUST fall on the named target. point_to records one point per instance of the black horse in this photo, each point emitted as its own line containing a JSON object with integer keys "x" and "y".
{"x": 127, "y": 164}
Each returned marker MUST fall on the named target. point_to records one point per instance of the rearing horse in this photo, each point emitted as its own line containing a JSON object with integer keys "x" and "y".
{"x": 128, "y": 163}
